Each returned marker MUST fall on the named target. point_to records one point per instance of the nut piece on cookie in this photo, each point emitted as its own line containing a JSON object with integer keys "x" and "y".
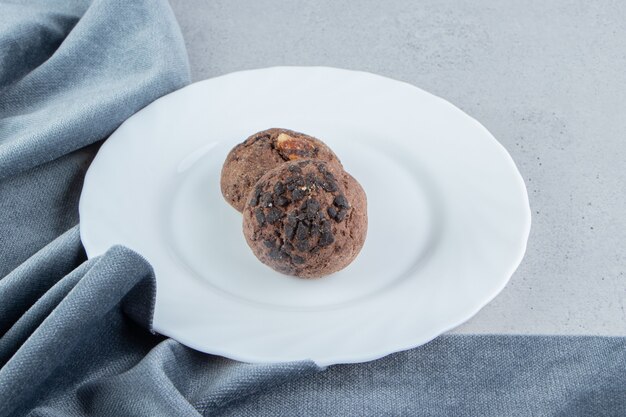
{"x": 306, "y": 218}
{"x": 263, "y": 151}
{"x": 292, "y": 148}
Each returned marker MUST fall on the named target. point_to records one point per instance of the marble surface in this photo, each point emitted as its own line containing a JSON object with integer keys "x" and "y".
{"x": 548, "y": 79}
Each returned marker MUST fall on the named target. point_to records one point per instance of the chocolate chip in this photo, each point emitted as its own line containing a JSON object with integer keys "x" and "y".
{"x": 302, "y": 245}
{"x": 326, "y": 235}
{"x": 281, "y": 201}
{"x": 279, "y": 188}
{"x": 312, "y": 208}
{"x": 266, "y": 200}
{"x": 340, "y": 201}
{"x": 298, "y": 260}
{"x": 311, "y": 181}
{"x": 328, "y": 185}
{"x": 260, "y": 217}
{"x": 302, "y": 232}
{"x": 298, "y": 194}
{"x": 254, "y": 201}
{"x": 290, "y": 183}
{"x": 315, "y": 230}
{"x": 276, "y": 253}
{"x": 274, "y": 215}
{"x": 294, "y": 183}
{"x": 326, "y": 238}
{"x": 338, "y": 215}
{"x": 290, "y": 225}
{"x": 269, "y": 243}
{"x": 289, "y": 231}
{"x": 295, "y": 169}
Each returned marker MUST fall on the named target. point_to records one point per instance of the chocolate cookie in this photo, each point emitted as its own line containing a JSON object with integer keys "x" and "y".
{"x": 306, "y": 218}
{"x": 263, "y": 151}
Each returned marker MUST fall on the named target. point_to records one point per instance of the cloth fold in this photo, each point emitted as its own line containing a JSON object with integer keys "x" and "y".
{"x": 84, "y": 346}
{"x": 75, "y": 334}
{"x": 55, "y": 59}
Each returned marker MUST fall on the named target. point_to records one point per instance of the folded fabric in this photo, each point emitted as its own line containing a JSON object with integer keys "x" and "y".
{"x": 70, "y": 73}
{"x": 75, "y": 334}
{"x": 83, "y": 348}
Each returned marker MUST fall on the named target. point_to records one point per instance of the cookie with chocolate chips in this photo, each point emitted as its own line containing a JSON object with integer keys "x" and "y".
{"x": 263, "y": 151}
{"x": 306, "y": 218}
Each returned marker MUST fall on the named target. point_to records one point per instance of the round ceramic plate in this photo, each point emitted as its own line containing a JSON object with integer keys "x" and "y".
{"x": 448, "y": 215}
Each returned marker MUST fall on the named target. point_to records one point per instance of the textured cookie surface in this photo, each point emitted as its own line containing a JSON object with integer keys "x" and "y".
{"x": 306, "y": 218}
{"x": 263, "y": 151}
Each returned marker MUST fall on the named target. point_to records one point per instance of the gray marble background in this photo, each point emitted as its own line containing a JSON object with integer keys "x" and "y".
{"x": 548, "y": 79}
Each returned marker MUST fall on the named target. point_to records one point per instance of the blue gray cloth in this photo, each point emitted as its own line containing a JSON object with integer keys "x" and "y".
{"x": 75, "y": 334}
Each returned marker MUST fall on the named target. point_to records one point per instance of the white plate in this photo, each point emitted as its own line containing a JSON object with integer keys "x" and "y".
{"x": 448, "y": 215}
